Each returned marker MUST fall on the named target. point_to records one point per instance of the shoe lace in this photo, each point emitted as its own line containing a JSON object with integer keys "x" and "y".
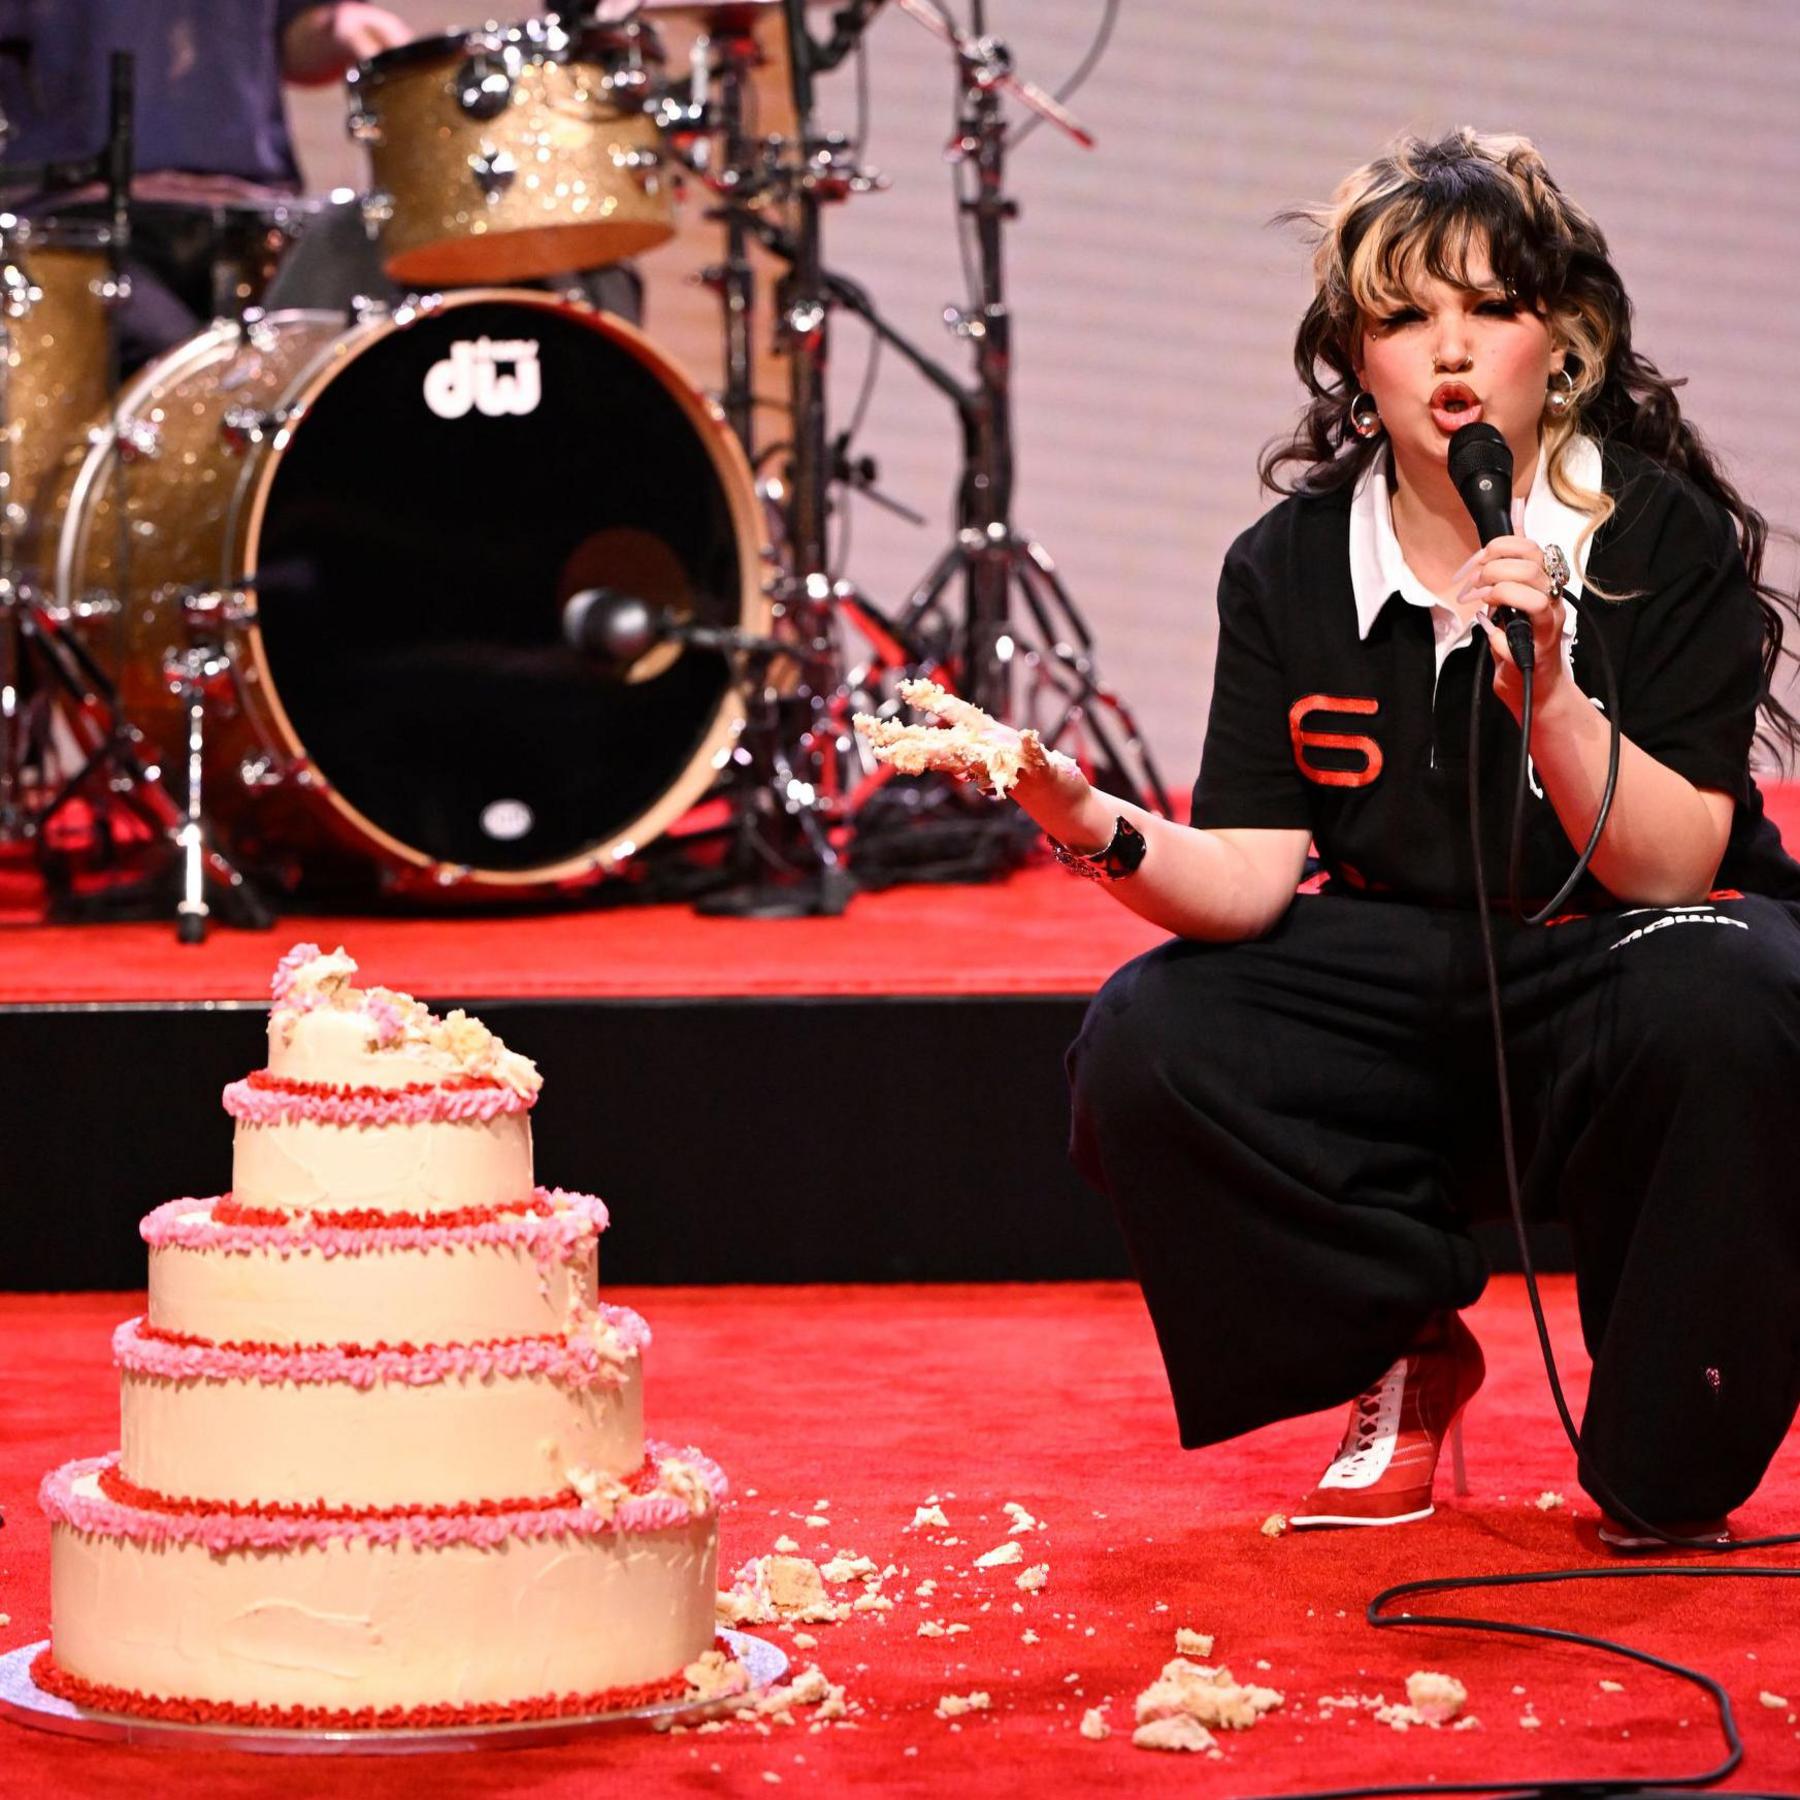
{"x": 1373, "y": 1415}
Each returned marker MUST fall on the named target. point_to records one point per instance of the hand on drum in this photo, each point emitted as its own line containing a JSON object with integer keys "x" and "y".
{"x": 971, "y": 746}
{"x": 325, "y": 42}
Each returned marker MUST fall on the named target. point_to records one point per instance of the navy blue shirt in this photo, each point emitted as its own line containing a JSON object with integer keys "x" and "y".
{"x": 207, "y": 83}
{"x": 1352, "y": 739}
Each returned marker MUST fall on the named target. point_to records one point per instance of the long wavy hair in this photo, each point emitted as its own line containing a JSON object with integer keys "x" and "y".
{"x": 1424, "y": 209}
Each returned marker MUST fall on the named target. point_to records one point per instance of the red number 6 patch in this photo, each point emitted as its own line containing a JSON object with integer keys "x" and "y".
{"x": 1307, "y": 741}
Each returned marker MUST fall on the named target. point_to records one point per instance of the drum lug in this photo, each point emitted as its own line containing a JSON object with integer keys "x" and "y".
{"x": 18, "y": 292}
{"x": 241, "y": 427}
{"x": 213, "y": 612}
{"x": 114, "y": 290}
{"x": 208, "y": 670}
{"x": 448, "y": 875}
{"x": 139, "y": 440}
{"x": 88, "y": 608}
{"x": 633, "y": 78}
{"x": 377, "y": 209}
{"x": 494, "y": 170}
{"x": 642, "y": 163}
{"x": 486, "y": 81}
{"x": 362, "y": 124}
{"x": 261, "y": 772}
{"x": 255, "y": 329}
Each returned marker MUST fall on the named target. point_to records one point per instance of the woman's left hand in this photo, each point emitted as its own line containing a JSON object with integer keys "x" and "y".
{"x": 1510, "y": 572}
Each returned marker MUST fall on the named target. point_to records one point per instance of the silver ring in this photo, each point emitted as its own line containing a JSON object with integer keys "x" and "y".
{"x": 1556, "y": 566}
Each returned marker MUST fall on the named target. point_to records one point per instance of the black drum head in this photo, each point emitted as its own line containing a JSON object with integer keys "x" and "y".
{"x": 443, "y": 496}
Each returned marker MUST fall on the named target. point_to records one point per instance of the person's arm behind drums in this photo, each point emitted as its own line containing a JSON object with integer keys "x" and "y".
{"x": 321, "y": 44}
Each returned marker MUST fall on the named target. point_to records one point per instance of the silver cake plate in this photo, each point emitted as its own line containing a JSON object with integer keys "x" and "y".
{"x": 25, "y": 1703}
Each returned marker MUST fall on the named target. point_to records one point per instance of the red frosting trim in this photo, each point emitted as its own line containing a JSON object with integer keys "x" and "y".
{"x": 227, "y": 1211}
{"x": 222, "y": 1528}
{"x": 98, "y": 1696}
{"x": 262, "y": 1099}
{"x": 583, "y": 1357}
{"x": 161, "y": 1334}
{"x": 553, "y": 1226}
{"x": 127, "y": 1493}
{"x": 270, "y": 1083}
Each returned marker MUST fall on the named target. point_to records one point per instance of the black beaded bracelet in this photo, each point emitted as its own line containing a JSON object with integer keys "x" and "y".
{"x": 1122, "y": 856}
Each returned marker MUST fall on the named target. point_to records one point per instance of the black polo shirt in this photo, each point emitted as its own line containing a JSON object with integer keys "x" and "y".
{"x": 1357, "y": 741}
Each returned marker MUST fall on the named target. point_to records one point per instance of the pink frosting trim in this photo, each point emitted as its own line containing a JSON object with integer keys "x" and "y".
{"x": 222, "y": 1532}
{"x": 281, "y": 984}
{"x": 574, "y": 1360}
{"x": 565, "y": 1236}
{"x": 438, "y": 1105}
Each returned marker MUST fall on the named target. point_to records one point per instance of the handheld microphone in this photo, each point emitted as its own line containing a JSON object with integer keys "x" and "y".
{"x": 1481, "y": 467}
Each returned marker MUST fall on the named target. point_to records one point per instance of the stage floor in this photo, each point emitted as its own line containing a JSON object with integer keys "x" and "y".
{"x": 837, "y": 1412}
{"x": 1040, "y": 931}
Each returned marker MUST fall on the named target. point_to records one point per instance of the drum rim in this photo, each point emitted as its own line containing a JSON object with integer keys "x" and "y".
{"x": 45, "y": 231}
{"x": 591, "y": 43}
{"x": 604, "y": 856}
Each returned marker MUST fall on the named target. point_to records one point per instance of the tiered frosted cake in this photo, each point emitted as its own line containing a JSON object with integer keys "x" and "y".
{"x": 382, "y": 1454}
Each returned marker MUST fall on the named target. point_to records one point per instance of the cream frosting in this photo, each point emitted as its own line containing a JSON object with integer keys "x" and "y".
{"x": 455, "y": 1425}
{"x": 323, "y": 1027}
{"x": 373, "y": 1617}
{"x": 509, "y": 1277}
{"x": 433, "y": 1166}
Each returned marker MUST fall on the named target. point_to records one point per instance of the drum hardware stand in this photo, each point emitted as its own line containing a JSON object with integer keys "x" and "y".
{"x": 791, "y": 744}
{"x": 988, "y": 551}
{"x": 204, "y": 672}
{"x": 734, "y": 181}
{"x": 115, "y": 743}
{"x": 97, "y": 717}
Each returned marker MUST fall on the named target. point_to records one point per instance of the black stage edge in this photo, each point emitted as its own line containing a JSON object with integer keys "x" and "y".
{"x": 768, "y": 1140}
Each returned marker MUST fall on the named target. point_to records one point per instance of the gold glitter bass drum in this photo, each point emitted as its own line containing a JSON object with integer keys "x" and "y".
{"x": 394, "y": 516}
{"x": 514, "y": 152}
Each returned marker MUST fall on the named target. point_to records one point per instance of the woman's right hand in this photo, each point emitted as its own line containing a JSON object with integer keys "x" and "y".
{"x": 970, "y": 745}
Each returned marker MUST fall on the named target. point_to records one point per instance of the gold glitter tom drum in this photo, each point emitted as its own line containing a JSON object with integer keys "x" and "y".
{"x": 514, "y": 152}
{"x": 53, "y": 357}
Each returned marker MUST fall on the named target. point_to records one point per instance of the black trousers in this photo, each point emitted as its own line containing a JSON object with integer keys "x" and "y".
{"x": 1295, "y": 1134}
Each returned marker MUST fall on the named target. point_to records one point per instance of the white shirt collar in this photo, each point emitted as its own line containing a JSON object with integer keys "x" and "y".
{"x": 1378, "y": 568}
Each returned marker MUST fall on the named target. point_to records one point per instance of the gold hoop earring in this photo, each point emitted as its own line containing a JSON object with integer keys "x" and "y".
{"x": 1560, "y": 400}
{"x": 1365, "y": 421}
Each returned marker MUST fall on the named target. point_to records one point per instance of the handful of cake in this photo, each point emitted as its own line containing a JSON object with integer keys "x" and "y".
{"x": 382, "y": 1454}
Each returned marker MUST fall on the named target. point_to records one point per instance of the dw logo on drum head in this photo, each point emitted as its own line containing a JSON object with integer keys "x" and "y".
{"x": 470, "y": 377}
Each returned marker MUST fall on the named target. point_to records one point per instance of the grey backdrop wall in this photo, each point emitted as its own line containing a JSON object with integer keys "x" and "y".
{"x": 1155, "y": 306}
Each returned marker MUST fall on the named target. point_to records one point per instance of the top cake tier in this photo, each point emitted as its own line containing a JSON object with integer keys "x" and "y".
{"x": 370, "y": 1102}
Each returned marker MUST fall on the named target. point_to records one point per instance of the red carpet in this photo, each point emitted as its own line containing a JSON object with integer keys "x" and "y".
{"x": 861, "y": 1403}
{"x": 1040, "y": 932}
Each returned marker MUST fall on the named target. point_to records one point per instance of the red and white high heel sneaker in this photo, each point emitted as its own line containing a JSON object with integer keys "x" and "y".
{"x": 1384, "y": 1469}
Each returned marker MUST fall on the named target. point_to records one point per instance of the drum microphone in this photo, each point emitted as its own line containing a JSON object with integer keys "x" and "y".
{"x": 1481, "y": 467}
{"x": 615, "y": 628}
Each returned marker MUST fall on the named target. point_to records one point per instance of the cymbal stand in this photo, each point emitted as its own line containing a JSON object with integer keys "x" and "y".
{"x": 792, "y": 798}
{"x": 992, "y": 556}
{"x": 730, "y": 169}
